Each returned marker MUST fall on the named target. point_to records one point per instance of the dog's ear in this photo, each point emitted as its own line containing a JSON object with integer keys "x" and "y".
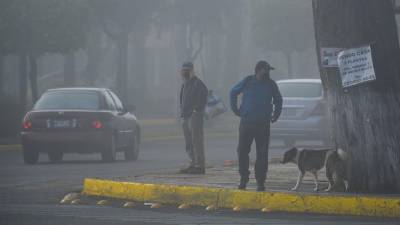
{"x": 284, "y": 157}
{"x": 293, "y": 150}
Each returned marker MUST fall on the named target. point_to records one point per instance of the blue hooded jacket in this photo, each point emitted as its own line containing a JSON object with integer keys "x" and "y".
{"x": 261, "y": 99}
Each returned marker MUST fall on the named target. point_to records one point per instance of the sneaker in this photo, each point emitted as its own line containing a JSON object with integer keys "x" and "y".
{"x": 243, "y": 184}
{"x": 197, "y": 170}
{"x": 186, "y": 170}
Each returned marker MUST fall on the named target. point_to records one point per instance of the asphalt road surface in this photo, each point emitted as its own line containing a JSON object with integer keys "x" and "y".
{"x": 30, "y": 194}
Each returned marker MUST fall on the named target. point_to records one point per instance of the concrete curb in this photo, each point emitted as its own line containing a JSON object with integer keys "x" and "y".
{"x": 246, "y": 200}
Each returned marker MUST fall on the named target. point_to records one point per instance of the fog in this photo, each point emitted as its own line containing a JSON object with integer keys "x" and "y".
{"x": 223, "y": 38}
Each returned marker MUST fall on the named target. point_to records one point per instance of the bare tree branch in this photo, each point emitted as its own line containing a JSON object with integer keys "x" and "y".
{"x": 189, "y": 49}
{"x": 198, "y": 50}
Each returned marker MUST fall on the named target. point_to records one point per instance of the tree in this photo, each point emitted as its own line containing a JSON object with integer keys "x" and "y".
{"x": 69, "y": 69}
{"x": 195, "y": 20}
{"x": 1, "y": 72}
{"x": 282, "y": 26}
{"x": 119, "y": 19}
{"x": 207, "y": 27}
{"x": 94, "y": 50}
{"x": 31, "y": 29}
{"x": 366, "y": 117}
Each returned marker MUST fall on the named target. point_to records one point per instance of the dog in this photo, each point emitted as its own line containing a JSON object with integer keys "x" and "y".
{"x": 309, "y": 160}
{"x": 336, "y": 166}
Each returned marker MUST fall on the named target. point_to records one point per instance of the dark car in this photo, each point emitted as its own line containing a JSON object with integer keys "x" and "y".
{"x": 304, "y": 114}
{"x": 79, "y": 120}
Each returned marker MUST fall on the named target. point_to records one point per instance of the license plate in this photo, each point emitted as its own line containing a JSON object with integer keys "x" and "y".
{"x": 61, "y": 123}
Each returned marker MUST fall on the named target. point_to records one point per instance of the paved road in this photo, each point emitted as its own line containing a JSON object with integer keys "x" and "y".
{"x": 30, "y": 194}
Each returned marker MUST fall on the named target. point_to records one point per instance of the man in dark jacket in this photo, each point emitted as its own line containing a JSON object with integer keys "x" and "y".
{"x": 193, "y": 99}
{"x": 261, "y": 104}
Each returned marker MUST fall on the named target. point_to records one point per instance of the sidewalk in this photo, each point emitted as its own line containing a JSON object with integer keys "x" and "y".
{"x": 280, "y": 178}
{"x": 218, "y": 189}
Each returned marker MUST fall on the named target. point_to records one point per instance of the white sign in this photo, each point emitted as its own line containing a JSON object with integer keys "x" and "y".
{"x": 356, "y": 66}
{"x": 329, "y": 56}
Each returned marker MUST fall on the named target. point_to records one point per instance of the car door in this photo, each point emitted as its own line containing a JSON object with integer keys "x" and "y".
{"x": 118, "y": 122}
{"x": 126, "y": 131}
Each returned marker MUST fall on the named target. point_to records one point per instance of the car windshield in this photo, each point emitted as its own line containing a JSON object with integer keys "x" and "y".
{"x": 68, "y": 100}
{"x": 300, "y": 90}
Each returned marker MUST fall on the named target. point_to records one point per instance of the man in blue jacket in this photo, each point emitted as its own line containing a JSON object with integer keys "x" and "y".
{"x": 261, "y": 104}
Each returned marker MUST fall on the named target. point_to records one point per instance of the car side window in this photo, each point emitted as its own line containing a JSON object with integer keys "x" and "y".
{"x": 118, "y": 102}
{"x": 109, "y": 101}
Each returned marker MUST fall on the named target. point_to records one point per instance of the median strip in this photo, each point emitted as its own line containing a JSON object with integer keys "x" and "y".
{"x": 246, "y": 200}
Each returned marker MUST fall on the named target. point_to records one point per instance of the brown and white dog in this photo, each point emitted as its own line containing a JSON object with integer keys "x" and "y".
{"x": 309, "y": 160}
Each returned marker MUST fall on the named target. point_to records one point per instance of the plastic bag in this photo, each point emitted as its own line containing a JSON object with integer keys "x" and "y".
{"x": 214, "y": 106}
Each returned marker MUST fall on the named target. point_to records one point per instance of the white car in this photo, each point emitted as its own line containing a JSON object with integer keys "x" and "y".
{"x": 304, "y": 113}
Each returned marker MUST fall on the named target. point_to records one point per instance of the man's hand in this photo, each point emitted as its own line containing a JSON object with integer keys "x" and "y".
{"x": 182, "y": 120}
{"x": 236, "y": 112}
{"x": 274, "y": 119}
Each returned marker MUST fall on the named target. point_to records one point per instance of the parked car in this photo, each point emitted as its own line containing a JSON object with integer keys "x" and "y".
{"x": 304, "y": 114}
{"x": 80, "y": 120}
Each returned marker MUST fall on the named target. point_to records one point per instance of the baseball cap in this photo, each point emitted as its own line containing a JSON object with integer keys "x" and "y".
{"x": 264, "y": 64}
{"x": 187, "y": 65}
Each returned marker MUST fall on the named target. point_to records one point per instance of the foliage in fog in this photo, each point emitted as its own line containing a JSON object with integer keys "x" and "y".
{"x": 42, "y": 26}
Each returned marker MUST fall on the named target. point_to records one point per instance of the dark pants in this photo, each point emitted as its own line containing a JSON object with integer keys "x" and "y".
{"x": 247, "y": 133}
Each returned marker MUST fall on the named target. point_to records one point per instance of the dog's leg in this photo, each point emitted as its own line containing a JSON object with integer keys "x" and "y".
{"x": 299, "y": 181}
{"x": 329, "y": 187}
{"x": 315, "y": 180}
{"x": 330, "y": 179}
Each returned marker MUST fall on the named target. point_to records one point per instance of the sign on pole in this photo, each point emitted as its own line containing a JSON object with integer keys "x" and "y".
{"x": 356, "y": 66}
{"x": 329, "y": 57}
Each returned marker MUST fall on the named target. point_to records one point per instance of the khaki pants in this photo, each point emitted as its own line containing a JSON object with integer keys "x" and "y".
{"x": 194, "y": 139}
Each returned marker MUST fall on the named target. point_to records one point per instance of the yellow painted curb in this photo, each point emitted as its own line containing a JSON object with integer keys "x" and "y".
{"x": 230, "y": 198}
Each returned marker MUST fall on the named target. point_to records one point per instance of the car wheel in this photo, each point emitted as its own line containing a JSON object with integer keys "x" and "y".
{"x": 289, "y": 142}
{"x": 30, "y": 155}
{"x": 109, "y": 154}
{"x": 132, "y": 151}
{"x": 55, "y": 156}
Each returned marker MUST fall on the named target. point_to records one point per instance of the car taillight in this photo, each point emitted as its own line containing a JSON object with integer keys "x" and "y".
{"x": 27, "y": 125}
{"x": 97, "y": 124}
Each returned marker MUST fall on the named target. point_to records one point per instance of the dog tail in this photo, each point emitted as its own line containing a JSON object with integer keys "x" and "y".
{"x": 342, "y": 154}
